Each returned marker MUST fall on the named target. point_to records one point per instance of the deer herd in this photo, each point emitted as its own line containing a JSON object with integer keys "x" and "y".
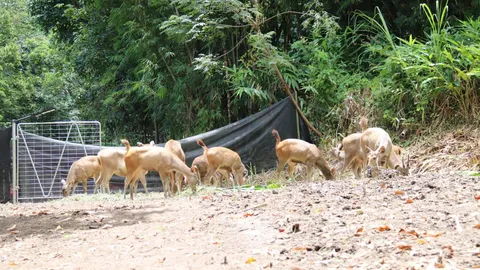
{"x": 364, "y": 152}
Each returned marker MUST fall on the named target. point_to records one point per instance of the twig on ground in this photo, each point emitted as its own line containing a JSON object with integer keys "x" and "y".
{"x": 256, "y": 206}
{"x": 459, "y": 226}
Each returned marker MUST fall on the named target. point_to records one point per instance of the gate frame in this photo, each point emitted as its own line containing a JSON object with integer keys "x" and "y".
{"x": 15, "y": 141}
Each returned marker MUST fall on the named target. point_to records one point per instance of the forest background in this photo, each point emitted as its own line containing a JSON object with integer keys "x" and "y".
{"x": 161, "y": 69}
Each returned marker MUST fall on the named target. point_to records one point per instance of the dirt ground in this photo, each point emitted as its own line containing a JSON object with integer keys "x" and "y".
{"x": 428, "y": 220}
{"x": 384, "y": 223}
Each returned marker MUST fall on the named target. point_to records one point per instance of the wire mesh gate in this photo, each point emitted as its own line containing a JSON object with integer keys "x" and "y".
{"x": 44, "y": 152}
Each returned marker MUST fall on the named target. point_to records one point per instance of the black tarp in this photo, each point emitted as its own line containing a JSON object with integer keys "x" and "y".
{"x": 250, "y": 137}
{"x": 5, "y": 164}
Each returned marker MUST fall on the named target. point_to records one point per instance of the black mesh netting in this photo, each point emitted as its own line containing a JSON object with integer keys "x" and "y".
{"x": 5, "y": 164}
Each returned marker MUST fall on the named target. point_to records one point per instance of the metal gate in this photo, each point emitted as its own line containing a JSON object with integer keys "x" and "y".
{"x": 44, "y": 152}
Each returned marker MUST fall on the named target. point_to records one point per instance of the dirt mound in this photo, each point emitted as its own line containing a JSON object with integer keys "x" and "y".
{"x": 446, "y": 151}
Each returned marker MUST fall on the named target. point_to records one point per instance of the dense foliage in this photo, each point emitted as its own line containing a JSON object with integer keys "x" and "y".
{"x": 35, "y": 74}
{"x": 164, "y": 69}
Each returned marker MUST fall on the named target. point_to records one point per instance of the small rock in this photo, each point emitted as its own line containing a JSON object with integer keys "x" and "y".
{"x": 274, "y": 191}
{"x": 296, "y": 227}
{"x": 106, "y": 226}
{"x": 431, "y": 186}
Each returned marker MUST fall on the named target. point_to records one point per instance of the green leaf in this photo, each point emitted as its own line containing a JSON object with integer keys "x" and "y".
{"x": 469, "y": 173}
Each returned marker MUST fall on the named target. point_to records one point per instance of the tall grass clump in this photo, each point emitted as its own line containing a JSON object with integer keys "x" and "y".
{"x": 425, "y": 79}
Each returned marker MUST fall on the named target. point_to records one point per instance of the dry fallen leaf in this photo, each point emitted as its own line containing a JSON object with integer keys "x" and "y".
{"x": 399, "y": 192}
{"x": 248, "y": 214}
{"x": 439, "y": 265}
{"x": 447, "y": 251}
{"x": 281, "y": 230}
{"x": 359, "y": 231}
{"x": 411, "y": 232}
{"x": 299, "y": 248}
{"x": 161, "y": 260}
{"x": 477, "y": 197}
{"x": 409, "y": 201}
{"x": 383, "y": 186}
{"x": 422, "y": 242}
{"x": 404, "y": 247}
{"x": 477, "y": 226}
{"x": 384, "y": 228}
{"x": 433, "y": 234}
{"x": 42, "y": 212}
{"x": 250, "y": 260}
{"x": 206, "y": 198}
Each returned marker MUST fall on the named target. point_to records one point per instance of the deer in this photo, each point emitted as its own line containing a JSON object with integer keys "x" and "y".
{"x": 292, "y": 151}
{"x": 80, "y": 171}
{"x": 223, "y": 158}
{"x": 159, "y": 159}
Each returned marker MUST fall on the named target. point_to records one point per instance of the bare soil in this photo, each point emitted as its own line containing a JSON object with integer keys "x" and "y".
{"x": 426, "y": 220}
{"x": 415, "y": 221}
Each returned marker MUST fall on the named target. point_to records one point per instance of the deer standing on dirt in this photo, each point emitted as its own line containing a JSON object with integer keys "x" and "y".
{"x": 200, "y": 167}
{"x": 292, "y": 151}
{"x": 350, "y": 152}
{"x": 377, "y": 146}
{"x": 159, "y": 159}
{"x": 176, "y": 178}
{"x": 223, "y": 158}
{"x": 80, "y": 171}
{"x": 113, "y": 162}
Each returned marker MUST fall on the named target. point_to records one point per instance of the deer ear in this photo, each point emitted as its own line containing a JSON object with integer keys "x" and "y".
{"x": 381, "y": 149}
{"x": 139, "y": 144}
